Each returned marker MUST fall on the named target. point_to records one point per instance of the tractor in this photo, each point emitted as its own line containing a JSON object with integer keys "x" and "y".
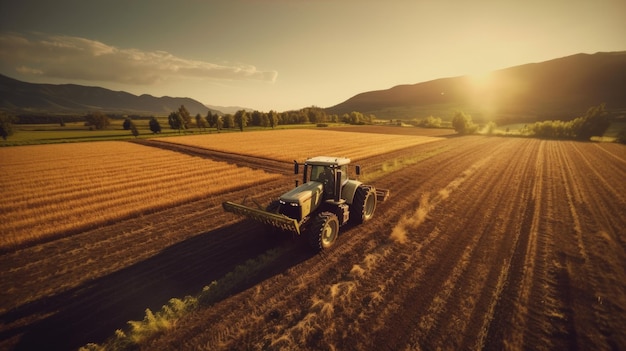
{"x": 325, "y": 201}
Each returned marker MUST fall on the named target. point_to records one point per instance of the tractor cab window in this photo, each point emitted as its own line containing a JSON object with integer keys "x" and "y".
{"x": 322, "y": 174}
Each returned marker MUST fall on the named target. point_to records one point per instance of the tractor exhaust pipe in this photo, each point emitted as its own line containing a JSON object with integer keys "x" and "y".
{"x": 337, "y": 185}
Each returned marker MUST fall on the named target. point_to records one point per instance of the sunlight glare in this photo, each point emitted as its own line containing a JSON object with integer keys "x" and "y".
{"x": 481, "y": 81}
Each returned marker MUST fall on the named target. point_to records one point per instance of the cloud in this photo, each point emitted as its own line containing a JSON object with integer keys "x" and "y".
{"x": 79, "y": 58}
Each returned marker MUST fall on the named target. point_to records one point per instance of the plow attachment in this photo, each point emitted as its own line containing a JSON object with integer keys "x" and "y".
{"x": 382, "y": 194}
{"x": 276, "y": 220}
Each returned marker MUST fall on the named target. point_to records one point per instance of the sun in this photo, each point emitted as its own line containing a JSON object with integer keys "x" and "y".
{"x": 484, "y": 93}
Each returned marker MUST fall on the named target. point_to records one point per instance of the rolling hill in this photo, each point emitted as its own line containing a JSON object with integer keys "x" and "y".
{"x": 562, "y": 88}
{"x": 21, "y": 97}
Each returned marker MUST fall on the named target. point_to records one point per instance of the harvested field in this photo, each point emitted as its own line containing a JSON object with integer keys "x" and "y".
{"x": 485, "y": 243}
{"x": 298, "y": 144}
{"x": 60, "y": 189}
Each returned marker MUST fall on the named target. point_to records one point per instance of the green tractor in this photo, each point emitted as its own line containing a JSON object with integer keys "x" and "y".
{"x": 326, "y": 200}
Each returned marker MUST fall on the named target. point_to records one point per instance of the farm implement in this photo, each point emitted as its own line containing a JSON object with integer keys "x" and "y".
{"x": 326, "y": 200}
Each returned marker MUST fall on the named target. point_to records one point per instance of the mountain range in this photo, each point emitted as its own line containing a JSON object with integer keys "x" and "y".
{"x": 23, "y": 98}
{"x": 562, "y": 88}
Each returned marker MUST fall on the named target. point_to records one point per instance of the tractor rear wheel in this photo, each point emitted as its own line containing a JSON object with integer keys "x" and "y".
{"x": 323, "y": 231}
{"x": 363, "y": 205}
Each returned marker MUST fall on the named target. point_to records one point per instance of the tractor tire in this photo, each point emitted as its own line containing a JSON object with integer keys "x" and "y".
{"x": 323, "y": 231}
{"x": 363, "y": 205}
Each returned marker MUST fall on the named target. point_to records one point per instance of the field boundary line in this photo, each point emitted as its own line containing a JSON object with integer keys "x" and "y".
{"x": 241, "y": 160}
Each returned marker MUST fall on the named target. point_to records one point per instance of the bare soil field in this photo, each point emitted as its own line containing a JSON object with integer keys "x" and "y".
{"x": 485, "y": 243}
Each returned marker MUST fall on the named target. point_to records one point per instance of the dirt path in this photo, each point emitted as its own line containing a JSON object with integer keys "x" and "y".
{"x": 485, "y": 243}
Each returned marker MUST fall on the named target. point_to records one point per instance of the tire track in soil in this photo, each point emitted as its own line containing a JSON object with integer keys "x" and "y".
{"x": 553, "y": 298}
{"x": 576, "y": 252}
{"x": 448, "y": 307}
{"x": 526, "y": 266}
{"x": 591, "y": 216}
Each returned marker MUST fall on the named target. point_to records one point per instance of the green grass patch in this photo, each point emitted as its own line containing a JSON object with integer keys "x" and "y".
{"x": 33, "y": 134}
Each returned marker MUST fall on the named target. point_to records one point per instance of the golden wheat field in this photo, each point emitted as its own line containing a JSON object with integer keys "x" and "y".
{"x": 55, "y": 189}
{"x": 299, "y": 144}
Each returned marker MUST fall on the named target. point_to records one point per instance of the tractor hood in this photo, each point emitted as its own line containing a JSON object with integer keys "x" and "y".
{"x": 304, "y": 193}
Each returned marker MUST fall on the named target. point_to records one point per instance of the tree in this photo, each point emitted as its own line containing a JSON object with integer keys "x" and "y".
{"x": 185, "y": 116}
{"x": 175, "y": 120}
{"x": 155, "y": 126}
{"x": 228, "y": 121}
{"x": 212, "y": 119}
{"x": 265, "y": 120}
{"x": 241, "y": 119}
{"x": 219, "y": 123}
{"x": 255, "y": 118}
{"x": 133, "y": 129}
{"x": 127, "y": 123}
{"x": 98, "y": 120}
{"x": 200, "y": 122}
{"x": 273, "y": 118}
{"x": 462, "y": 123}
{"x": 6, "y": 125}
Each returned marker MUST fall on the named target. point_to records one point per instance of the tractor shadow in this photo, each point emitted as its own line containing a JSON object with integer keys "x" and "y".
{"x": 91, "y": 313}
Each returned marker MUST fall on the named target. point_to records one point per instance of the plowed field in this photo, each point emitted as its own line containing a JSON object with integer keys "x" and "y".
{"x": 485, "y": 243}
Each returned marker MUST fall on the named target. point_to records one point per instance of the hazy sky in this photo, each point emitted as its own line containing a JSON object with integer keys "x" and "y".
{"x": 289, "y": 54}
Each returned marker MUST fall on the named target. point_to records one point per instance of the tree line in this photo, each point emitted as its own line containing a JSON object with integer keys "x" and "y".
{"x": 181, "y": 119}
{"x": 594, "y": 122}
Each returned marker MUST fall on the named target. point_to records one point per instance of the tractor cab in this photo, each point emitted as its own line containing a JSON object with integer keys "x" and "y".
{"x": 331, "y": 172}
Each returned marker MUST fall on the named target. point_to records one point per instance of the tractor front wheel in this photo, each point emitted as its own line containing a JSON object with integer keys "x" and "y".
{"x": 323, "y": 231}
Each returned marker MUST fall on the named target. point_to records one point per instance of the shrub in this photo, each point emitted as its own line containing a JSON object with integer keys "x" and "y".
{"x": 594, "y": 123}
{"x": 430, "y": 122}
{"x": 155, "y": 126}
{"x": 6, "y": 125}
{"x": 462, "y": 123}
{"x": 97, "y": 120}
{"x": 490, "y": 128}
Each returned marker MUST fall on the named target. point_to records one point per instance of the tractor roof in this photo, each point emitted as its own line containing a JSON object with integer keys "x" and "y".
{"x": 327, "y": 161}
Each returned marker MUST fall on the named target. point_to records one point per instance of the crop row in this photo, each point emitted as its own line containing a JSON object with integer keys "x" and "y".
{"x": 52, "y": 189}
{"x": 299, "y": 144}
